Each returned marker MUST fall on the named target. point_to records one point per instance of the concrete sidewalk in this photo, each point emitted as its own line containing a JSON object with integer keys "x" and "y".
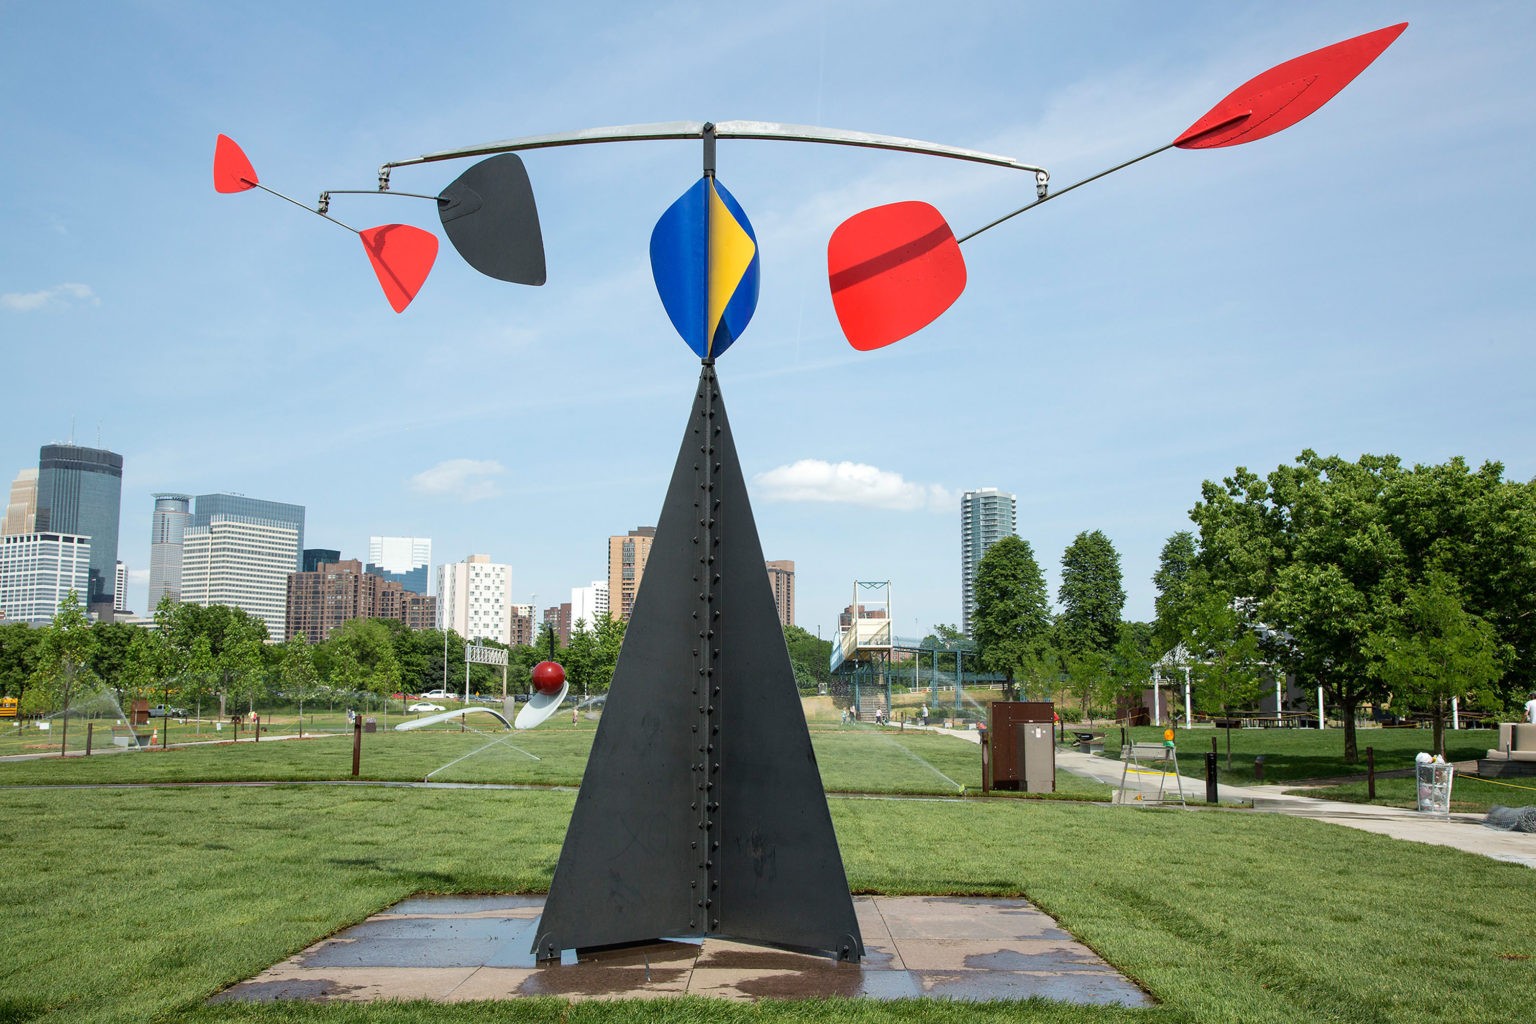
{"x": 1462, "y": 831}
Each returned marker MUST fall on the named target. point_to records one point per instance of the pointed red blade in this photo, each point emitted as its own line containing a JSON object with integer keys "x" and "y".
{"x": 1286, "y": 93}
{"x": 402, "y": 257}
{"x": 232, "y": 172}
{"x": 893, "y": 270}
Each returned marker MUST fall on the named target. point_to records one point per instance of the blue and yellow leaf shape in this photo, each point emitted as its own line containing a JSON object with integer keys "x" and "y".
{"x": 705, "y": 262}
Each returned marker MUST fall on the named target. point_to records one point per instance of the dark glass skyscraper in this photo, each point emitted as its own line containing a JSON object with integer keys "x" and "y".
{"x": 80, "y": 491}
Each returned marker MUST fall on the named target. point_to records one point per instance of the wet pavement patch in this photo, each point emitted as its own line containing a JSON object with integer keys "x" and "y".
{"x": 458, "y": 948}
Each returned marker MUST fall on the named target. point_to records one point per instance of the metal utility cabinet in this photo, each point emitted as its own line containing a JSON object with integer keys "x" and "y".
{"x": 1023, "y": 737}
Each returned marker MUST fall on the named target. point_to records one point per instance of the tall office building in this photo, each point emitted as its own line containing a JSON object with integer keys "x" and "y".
{"x": 38, "y": 570}
{"x": 781, "y": 577}
{"x": 80, "y": 491}
{"x": 240, "y": 551}
{"x": 401, "y": 559}
{"x": 986, "y": 517}
{"x": 474, "y": 598}
{"x": 21, "y": 509}
{"x": 626, "y": 567}
{"x": 588, "y": 604}
{"x": 166, "y": 530}
{"x": 120, "y": 587}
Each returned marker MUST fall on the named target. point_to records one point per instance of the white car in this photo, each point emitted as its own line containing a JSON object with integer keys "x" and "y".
{"x": 435, "y": 695}
{"x": 424, "y": 706}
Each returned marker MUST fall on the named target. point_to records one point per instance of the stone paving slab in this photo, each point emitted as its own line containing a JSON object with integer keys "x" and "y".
{"x": 457, "y": 948}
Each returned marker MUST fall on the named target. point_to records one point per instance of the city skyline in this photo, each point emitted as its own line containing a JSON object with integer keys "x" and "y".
{"x": 1192, "y": 314}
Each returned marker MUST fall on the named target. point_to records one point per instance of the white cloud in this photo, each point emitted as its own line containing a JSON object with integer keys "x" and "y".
{"x": 851, "y": 483}
{"x": 59, "y": 295}
{"x": 466, "y": 479}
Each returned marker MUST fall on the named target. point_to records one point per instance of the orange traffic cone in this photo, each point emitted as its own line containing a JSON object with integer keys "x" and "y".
{"x": 154, "y": 735}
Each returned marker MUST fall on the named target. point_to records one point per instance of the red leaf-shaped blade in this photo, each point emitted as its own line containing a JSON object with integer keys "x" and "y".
{"x": 402, "y": 257}
{"x": 1286, "y": 93}
{"x": 232, "y": 172}
{"x": 893, "y": 270}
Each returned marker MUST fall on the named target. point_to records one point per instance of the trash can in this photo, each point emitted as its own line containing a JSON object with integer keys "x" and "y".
{"x": 1435, "y": 788}
{"x": 370, "y": 724}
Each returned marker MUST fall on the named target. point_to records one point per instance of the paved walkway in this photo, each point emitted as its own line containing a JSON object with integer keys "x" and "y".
{"x": 1462, "y": 831}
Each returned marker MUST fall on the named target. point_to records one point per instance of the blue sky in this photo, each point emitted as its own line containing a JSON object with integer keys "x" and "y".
{"x": 1359, "y": 283}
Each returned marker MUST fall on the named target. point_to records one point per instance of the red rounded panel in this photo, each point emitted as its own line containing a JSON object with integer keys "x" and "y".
{"x": 893, "y": 270}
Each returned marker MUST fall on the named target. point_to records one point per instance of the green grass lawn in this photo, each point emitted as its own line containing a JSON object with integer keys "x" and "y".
{"x": 137, "y": 904}
{"x": 1295, "y": 754}
{"x": 853, "y": 758}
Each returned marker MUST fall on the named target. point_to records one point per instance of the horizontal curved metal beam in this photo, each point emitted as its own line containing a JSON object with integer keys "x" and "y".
{"x": 765, "y": 130}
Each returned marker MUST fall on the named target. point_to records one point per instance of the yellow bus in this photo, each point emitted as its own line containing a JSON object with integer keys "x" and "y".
{"x": 8, "y": 707}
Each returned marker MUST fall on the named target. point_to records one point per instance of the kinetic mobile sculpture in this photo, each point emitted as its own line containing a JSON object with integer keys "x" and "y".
{"x": 702, "y": 811}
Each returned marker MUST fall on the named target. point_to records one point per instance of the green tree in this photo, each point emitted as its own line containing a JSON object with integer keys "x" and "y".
{"x": 239, "y": 668}
{"x": 1129, "y": 664}
{"x": 810, "y": 657}
{"x": 581, "y": 658}
{"x": 146, "y": 667}
{"x": 296, "y": 671}
{"x": 1088, "y": 681}
{"x": 1226, "y": 666}
{"x": 1012, "y": 619}
{"x": 1311, "y": 549}
{"x": 64, "y": 654}
{"x": 18, "y": 657}
{"x": 1176, "y": 590}
{"x": 610, "y": 640}
{"x": 199, "y": 676}
{"x": 109, "y": 653}
{"x": 1091, "y": 595}
{"x": 363, "y": 658}
{"x": 1436, "y": 650}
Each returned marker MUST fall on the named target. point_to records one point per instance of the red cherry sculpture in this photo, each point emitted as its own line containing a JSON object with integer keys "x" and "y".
{"x": 548, "y": 677}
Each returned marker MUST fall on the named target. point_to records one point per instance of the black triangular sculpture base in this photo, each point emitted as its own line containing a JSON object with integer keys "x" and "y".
{"x": 701, "y": 812}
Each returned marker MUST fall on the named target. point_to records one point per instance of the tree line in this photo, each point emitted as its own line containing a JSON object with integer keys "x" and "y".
{"x": 1383, "y": 584}
{"x": 217, "y": 660}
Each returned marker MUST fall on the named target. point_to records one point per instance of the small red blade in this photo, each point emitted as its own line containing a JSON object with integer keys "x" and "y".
{"x": 402, "y": 257}
{"x": 1286, "y": 93}
{"x": 893, "y": 270}
{"x": 232, "y": 172}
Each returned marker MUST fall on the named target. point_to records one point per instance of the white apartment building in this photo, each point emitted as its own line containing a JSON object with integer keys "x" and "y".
{"x": 474, "y": 599}
{"x": 38, "y": 570}
{"x": 987, "y": 515}
{"x": 588, "y": 604}
{"x": 243, "y": 563}
{"x": 120, "y": 590}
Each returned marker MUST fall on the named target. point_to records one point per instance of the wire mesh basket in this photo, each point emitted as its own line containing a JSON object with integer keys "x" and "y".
{"x": 1435, "y": 788}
